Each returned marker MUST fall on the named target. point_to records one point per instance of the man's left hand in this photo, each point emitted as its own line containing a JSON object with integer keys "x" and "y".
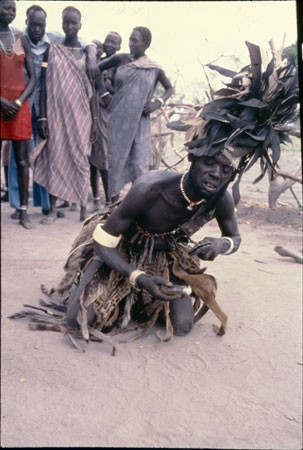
{"x": 209, "y": 248}
{"x": 92, "y": 69}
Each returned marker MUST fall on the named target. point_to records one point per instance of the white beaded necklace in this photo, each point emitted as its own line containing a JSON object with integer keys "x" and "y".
{"x": 191, "y": 204}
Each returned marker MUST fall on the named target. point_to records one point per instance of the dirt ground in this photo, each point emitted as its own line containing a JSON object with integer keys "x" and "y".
{"x": 239, "y": 391}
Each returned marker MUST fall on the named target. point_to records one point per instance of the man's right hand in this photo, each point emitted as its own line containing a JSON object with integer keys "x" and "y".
{"x": 43, "y": 129}
{"x": 152, "y": 285}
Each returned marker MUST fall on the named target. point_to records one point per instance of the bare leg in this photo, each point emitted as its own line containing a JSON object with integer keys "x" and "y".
{"x": 83, "y": 213}
{"x": 104, "y": 177}
{"x": 95, "y": 186}
{"x": 21, "y": 157}
{"x": 52, "y": 215}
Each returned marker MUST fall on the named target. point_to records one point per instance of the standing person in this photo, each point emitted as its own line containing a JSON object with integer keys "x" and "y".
{"x": 15, "y": 54}
{"x": 104, "y": 90}
{"x": 39, "y": 41}
{"x": 129, "y": 134}
{"x": 67, "y": 121}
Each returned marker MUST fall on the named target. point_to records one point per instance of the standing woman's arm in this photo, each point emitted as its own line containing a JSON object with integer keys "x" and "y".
{"x": 94, "y": 112}
{"x": 168, "y": 92}
{"x": 30, "y": 68}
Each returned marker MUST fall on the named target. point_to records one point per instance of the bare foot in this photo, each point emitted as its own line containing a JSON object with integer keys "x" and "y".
{"x": 83, "y": 213}
{"x": 47, "y": 220}
{"x": 24, "y": 220}
{"x": 65, "y": 204}
{"x": 73, "y": 207}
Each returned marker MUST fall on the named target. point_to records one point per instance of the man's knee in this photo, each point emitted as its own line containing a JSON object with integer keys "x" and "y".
{"x": 182, "y": 316}
{"x": 24, "y": 166}
{"x": 183, "y": 326}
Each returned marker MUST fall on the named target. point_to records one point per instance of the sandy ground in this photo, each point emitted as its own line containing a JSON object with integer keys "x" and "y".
{"x": 239, "y": 391}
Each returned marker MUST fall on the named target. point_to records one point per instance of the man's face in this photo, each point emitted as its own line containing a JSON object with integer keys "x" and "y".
{"x": 35, "y": 25}
{"x": 7, "y": 11}
{"x": 71, "y": 23}
{"x": 111, "y": 44}
{"x": 209, "y": 174}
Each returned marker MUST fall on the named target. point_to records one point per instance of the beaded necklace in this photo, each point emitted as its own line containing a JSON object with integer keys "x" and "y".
{"x": 8, "y": 51}
{"x": 191, "y": 204}
{"x": 160, "y": 235}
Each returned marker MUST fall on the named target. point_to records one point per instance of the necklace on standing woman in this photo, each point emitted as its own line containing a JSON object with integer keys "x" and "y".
{"x": 9, "y": 51}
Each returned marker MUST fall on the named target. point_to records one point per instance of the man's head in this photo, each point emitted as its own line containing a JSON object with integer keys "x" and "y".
{"x": 35, "y": 23}
{"x": 71, "y": 21}
{"x": 112, "y": 43}
{"x": 139, "y": 40}
{"x": 210, "y": 174}
{"x": 7, "y": 11}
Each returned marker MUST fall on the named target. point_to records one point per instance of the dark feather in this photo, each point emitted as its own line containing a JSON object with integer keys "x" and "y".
{"x": 253, "y": 103}
{"x": 275, "y": 145}
{"x": 236, "y": 189}
{"x": 255, "y": 58}
{"x": 222, "y": 71}
{"x": 178, "y": 125}
{"x": 226, "y": 92}
{"x": 239, "y": 123}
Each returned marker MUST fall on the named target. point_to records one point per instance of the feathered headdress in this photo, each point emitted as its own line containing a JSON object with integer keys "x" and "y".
{"x": 249, "y": 118}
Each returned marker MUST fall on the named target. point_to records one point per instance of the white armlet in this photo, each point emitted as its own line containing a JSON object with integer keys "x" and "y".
{"x": 231, "y": 245}
{"x": 104, "y": 238}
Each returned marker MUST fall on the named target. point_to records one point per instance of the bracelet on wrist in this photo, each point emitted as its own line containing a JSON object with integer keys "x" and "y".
{"x": 159, "y": 99}
{"x": 231, "y": 245}
{"x": 133, "y": 277}
{"x": 18, "y": 103}
{"x": 104, "y": 94}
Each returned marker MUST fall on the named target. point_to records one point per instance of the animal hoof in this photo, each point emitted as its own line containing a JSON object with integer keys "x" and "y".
{"x": 219, "y": 331}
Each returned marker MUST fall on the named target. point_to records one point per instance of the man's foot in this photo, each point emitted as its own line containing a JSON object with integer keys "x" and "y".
{"x": 60, "y": 214}
{"x": 45, "y": 212}
{"x": 115, "y": 198}
{"x": 83, "y": 213}
{"x": 65, "y": 204}
{"x": 16, "y": 215}
{"x": 73, "y": 207}
{"x": 95, "y": 207}
{"x": 4, "y": 197}
{"x": 47, "y": 220}
{"x": 24, "y": 220}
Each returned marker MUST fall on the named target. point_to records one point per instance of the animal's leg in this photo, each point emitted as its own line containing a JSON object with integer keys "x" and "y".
{"x": 212, "y": 304}
{"x": 203, "y": 310}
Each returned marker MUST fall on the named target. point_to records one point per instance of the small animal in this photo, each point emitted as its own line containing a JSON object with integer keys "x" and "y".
{"x": 204, "y": 286}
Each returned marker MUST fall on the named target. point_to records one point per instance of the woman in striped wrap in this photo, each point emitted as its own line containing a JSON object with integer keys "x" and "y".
{"x": 67, "y": 122}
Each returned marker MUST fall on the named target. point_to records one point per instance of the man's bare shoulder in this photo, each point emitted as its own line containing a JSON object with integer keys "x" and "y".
{"x": 147, "y": 189}
{"x": 155, "y": 179}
